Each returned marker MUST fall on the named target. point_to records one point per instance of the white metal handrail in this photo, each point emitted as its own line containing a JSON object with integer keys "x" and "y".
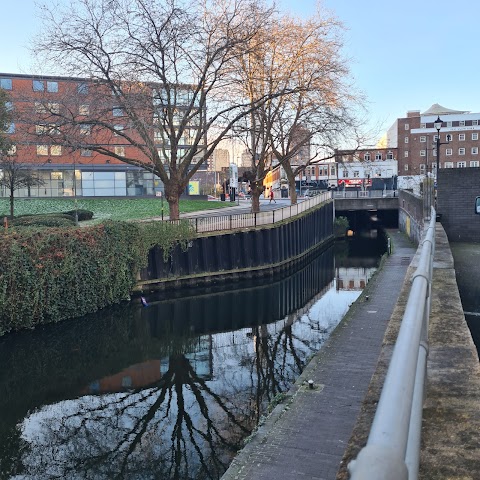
{"x": 393, "y": 446}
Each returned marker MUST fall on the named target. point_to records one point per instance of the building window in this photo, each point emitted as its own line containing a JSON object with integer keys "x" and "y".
{"x": 423, "y": 139}
{"x": 448, "y": 165}
{"x": 448, "y": 151}
{"x": 378, "y": 156}
{"x": 474, "y": 150}
{"x": 423, "y": 125}
{"x": 84, "y": 110}
{"x": 120, "y": 151}
{"x": 474, "y": 136}
{"x": 56, "y": 150}
{"x": 85, "y": 130}
{"x": 474, "y": 163}
{"x": 449, "y": 125}
{"x": 6, "y": 83}
{"x": 10, "y": 128}
{"x": 405, "y": 154}
{"x": 423, "y": 153}
{"x": 474, "y": 122}
{"x": 390, "y": 156}
{"x": 366, "y": 157}
{"x": 40, "y": 108}
{"x": 461, "y": 164}
{"x": 82, "y": 88}
{"x": 422, "y": 168}
{"x": 117, "y": 112}
{"x": 405, "y": 167}
{"x": 41, "y": 129}
{"x": 407, "y": 126}
{"x": 435, "y": 137}
{"x": 461, "y": 151}
{"x": 461, "y": 123}
{"x": 356, "y": 174}
{"x": 85, "y": 152}
{"x": 119, "y": 128}
{"x": 461, "y": 137}
{"x": 52, "y": 87}
{"x": 38, "y": 86}
{"x": 12, "y": 150}
{"x": 42, "y": 149}
{"x": 54, "y": 107}
{"x": 9, "y": 106}
{"x": 406, "y": 139}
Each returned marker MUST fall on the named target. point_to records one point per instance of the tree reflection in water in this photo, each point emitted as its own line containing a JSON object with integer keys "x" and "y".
{"x": 163, "y": 431}
{"x": 166, "y": 392}
{"x": 187, "y": 425}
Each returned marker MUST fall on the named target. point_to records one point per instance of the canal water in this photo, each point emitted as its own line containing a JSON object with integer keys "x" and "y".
{"x": 170, "y": 390}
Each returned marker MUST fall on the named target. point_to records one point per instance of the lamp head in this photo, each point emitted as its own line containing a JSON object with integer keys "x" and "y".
{"x": 438, "y": 123}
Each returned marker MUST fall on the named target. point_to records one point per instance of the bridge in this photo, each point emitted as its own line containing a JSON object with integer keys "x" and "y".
{"x": 366, "y": 200}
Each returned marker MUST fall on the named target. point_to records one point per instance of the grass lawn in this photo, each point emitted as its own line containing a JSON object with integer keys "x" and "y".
{"x": 106, "y": 208}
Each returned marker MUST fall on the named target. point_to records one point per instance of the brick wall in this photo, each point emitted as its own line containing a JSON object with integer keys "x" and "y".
{"x": 457, "y": 189}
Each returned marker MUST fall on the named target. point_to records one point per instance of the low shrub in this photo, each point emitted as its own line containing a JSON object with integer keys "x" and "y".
{"x": 82, "y": 214}
{"x": 49, "y": 220}
{"x": 48, "y": 275}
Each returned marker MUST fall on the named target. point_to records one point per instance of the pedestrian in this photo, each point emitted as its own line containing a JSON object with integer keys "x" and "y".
{"x": 271, "y": 196}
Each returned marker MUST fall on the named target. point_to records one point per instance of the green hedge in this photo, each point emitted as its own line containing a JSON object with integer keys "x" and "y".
{"x": 48, "y": 220}
{"x": 48, "y": 275}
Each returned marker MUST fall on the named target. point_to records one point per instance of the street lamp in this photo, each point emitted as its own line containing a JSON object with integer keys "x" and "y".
{"x": 438, "y": 125}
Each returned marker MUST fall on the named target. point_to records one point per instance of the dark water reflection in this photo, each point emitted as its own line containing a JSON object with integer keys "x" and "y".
{"x": 169, "y": 391}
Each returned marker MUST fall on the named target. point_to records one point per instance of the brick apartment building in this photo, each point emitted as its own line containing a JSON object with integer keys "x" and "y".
{"x": 414, "y": 137}
{"x": 373, "y": 167}
{"x": 38, "y": 105}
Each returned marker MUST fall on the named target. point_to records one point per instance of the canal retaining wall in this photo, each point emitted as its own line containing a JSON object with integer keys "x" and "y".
{"x": 411, "y": 214}
{"x": 229, "y": 256}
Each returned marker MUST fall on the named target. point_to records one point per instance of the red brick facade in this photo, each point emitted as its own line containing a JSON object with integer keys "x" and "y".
{"x": 416, "y": 140}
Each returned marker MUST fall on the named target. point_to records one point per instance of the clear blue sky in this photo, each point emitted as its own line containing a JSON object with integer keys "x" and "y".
{"x": 393, "y": 46}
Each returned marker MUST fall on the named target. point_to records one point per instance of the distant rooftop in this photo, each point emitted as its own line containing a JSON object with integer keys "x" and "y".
{"x": 437, "y": 109}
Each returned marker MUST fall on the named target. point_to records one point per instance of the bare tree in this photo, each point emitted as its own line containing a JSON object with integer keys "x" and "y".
{"x": 159, "y": 79}
{"x": 15, "y": 175}
{"x": 313, "y": 101}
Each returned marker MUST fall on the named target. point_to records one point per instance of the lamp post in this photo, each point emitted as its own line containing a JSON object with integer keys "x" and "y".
{"x": 438, "y": 125}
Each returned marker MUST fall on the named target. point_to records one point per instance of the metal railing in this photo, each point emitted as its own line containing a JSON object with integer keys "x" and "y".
{"x": 249, "y": 220}
{"x": 393, "y": 446}
{"x": 365, "y": 193}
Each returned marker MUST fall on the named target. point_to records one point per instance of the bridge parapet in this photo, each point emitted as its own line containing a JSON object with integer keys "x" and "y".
{"x": 366, "y": 200}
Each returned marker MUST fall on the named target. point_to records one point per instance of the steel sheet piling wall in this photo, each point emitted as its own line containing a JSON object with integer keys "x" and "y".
{"x": 245, "y": 253}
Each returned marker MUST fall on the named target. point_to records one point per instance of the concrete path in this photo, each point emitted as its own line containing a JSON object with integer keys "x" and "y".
{"x": 307, "y": 434}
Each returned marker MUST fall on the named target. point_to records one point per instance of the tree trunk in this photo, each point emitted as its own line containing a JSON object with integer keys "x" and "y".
{"x": 173, "y": 205}
{"x": 256, "y": 201}
{"x": 11, "y": 203}
{"x": 173, "y": 189}
{"x": 293, "y": 192}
